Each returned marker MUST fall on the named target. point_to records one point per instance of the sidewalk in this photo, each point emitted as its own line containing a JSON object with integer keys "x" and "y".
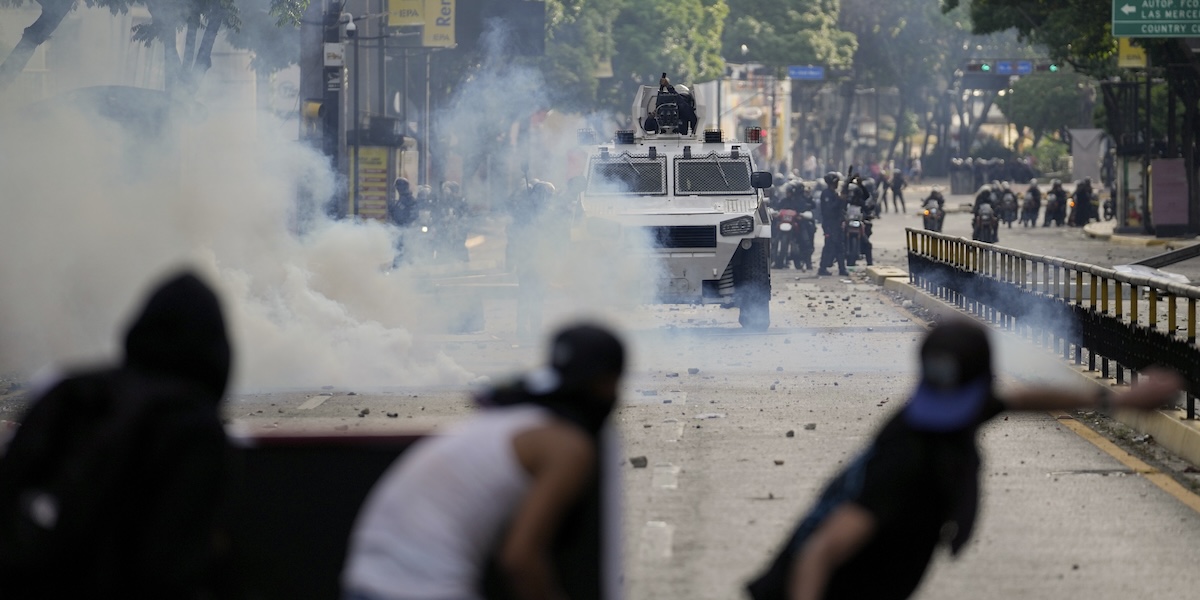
{"x": 1103, "y": 230}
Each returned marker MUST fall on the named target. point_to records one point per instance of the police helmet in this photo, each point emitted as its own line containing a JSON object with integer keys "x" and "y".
{"x": 869, "y": 183}
{"x": 832, "y": 178}
{"x": 1004, "y": 186}
{"x": 402, "y": 185}
{"x": 450, "y": 188}
{"x": 1087, "y": 181}
{"x": 1033, "y": 181}
{"x": 424, "y": 192}
{"x": 779, "y": 180}
{"x": 683, "y": 90}
{"x": 937, "y": 189}
{"x": 543, "y": 189}
{"x": 1056, "y": 182}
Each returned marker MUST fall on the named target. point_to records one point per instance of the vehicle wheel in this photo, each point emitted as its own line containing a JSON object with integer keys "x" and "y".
{"x": 852, "y": 251}
{"x": 753, "y": 281}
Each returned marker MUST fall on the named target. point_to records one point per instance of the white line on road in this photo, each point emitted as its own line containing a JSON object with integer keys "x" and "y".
{"x": 665, "y": 477}
{"x": 656, "y": 540}
{"x": 313, "y": 402}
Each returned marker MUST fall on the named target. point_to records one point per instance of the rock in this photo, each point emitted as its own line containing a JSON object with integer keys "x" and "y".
{"x": 790, "y": 433}
{"x": 906, "y": 304}
{"x": 351, "y": 393}
{"x": 649, "y": 392}
{"x": 778, "y": 462}
{"x": 672, "y": 374}
{"x": 778, "y": 368}
{"x": 693, "y": 371}
{"x": 772, "y": 387}
{"x": 638, "y": 462}
{"x": 364, "y": 412}
{"x": 392, "y": 415}
{"x": 810, "y": 426}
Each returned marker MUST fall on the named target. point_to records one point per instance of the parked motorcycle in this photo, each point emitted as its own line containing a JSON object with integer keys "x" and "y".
{"x": 856, "y": 234}
{"x": 986, "y": 225}
{"x": 933, "y": 216}
{"x": 785, "y": 247}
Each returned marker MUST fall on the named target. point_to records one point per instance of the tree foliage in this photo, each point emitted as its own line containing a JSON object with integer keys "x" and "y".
{"x": 1047, "y": 102}
{"x": 778, "y": 33}
{"x": 680, "y": 37}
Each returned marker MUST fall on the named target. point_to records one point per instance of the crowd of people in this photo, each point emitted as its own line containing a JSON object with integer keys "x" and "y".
{"x": 120, "y": 472}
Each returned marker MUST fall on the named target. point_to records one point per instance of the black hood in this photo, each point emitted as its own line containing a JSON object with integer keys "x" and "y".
{"x": 181, "y": 332}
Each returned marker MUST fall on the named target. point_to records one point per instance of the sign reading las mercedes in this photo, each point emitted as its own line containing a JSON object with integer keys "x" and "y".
{"x": 1156, "y": 18}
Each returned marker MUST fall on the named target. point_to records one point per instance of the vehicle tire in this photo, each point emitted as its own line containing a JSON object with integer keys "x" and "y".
{"x": 753, "y": 281}
{"x": 852, "y": 251}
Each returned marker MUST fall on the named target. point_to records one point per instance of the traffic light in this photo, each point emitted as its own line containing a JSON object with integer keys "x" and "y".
{"x": 985, "y": 67}
{"x": 1048, "y": 67}
{"x": 979, "y": 67}
{"x": 1053, "y": 68}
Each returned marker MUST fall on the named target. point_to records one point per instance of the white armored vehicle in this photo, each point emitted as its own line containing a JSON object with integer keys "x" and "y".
{"x": 692, "y": 200}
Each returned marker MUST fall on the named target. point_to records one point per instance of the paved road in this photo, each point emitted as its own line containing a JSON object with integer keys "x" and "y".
{"x": 724, "y": 482}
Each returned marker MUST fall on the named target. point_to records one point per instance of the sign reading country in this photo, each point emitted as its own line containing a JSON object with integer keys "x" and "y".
{"x": 1155, "y": 18}
{"x": 403, "y": 13}
{"x": 439, "y": 24}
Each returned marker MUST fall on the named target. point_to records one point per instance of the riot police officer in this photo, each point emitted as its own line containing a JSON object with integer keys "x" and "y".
{"x": 833, "y": 225}
{"x": 1056, "y": 204}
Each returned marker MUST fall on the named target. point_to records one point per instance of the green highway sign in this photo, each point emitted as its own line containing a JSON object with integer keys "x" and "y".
{"x": 1156, "y": 18}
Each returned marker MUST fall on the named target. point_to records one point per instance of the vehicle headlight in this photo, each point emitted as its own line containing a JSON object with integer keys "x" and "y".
{"x": 739, "y": 226}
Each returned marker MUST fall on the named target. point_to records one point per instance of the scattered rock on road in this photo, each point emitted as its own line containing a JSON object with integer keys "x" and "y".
{"x": 790, "y": 433}
{"x": 810, "y": 426}
{"x": 638, "y": 462}
{"x": 693, "y": 371}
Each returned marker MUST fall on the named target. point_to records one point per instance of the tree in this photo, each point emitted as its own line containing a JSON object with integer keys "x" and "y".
{"x": 680, "y": 37}
{"x": 778, "y": 33}
{"x": 200, "y": 20}
{"x": 1047, "y": 102}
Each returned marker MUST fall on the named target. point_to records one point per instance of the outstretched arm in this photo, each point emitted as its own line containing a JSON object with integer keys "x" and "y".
{"x": 1155, "y": 388}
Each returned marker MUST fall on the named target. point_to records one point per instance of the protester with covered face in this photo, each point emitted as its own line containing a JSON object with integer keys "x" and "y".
{"x": 874, "y": 528}
{"x": 494, "y": 488}
{"x": 112, "y": 484}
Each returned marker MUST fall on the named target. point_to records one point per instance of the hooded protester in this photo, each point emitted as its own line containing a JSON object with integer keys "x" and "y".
{"x": 873, "y": 530}
{"x": 494, "y": 488}
{"x": 111, "y": 485}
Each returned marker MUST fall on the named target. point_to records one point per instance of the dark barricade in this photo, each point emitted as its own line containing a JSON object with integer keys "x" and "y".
{"x": 297, "y": 498}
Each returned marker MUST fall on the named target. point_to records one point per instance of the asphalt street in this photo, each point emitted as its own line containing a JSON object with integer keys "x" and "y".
{"x": 740, "y": 431}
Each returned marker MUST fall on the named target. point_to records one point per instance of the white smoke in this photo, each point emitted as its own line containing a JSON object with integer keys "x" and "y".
{"x": 95, "y": 213}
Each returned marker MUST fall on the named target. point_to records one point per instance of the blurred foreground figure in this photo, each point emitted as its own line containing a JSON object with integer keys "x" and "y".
{"x": 494, "y": 488}
{"x": 874, "y": 528}
{"x": 111, "y": 486}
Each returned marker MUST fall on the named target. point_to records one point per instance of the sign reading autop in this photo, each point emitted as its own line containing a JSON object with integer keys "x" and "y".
{"x": 1156, "y": 18}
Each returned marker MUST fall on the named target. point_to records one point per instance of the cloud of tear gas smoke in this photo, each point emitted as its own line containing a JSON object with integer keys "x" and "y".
{"x": 500, "y": 164}
{"x": 1020, "y": 357}
{"x": 95, "y": 210}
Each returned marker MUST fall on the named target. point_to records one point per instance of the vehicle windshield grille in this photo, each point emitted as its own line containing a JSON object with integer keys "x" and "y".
{"x": 628, "y": 174}
{"x": 713, "y": 174}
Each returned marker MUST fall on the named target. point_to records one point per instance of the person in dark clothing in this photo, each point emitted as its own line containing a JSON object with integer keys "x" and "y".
{"x": 1083, "y": 213}
{"x": 874, "y": 528}
{"x": 1032, "y": 204}
{"x": 897, "y": 186}
{"x": 1056, "y": 204}
{"x": 403, "y": 207}
{"x": 111, "y": 486}
{"x": 833, "y": 225}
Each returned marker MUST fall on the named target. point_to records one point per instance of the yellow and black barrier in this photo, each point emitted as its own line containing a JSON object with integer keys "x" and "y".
{"x": 1123, "y": 321}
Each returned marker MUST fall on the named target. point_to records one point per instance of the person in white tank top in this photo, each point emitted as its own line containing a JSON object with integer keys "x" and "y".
{"x": 495, "y": 486}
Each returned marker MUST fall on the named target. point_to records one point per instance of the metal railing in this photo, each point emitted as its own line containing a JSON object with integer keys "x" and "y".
{"x": 1125, "y": 322}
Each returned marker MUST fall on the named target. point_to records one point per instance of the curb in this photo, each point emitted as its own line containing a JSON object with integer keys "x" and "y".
{"x": 1103, "y": 231}
{"x": 1167, "y": 427}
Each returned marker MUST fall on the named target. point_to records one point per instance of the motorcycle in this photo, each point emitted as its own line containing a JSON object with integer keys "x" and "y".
{"x": 933, "y": 216}
{"x": 856, "y": 234}
{"x": 1008, "y": 208}
{"x": 1053, "y": 210}
{"x": 1029, "y": 211}
{"x": 1110, "y": 209}
{"x": 986, "y": 225}
{"x": 785, "y": 246}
